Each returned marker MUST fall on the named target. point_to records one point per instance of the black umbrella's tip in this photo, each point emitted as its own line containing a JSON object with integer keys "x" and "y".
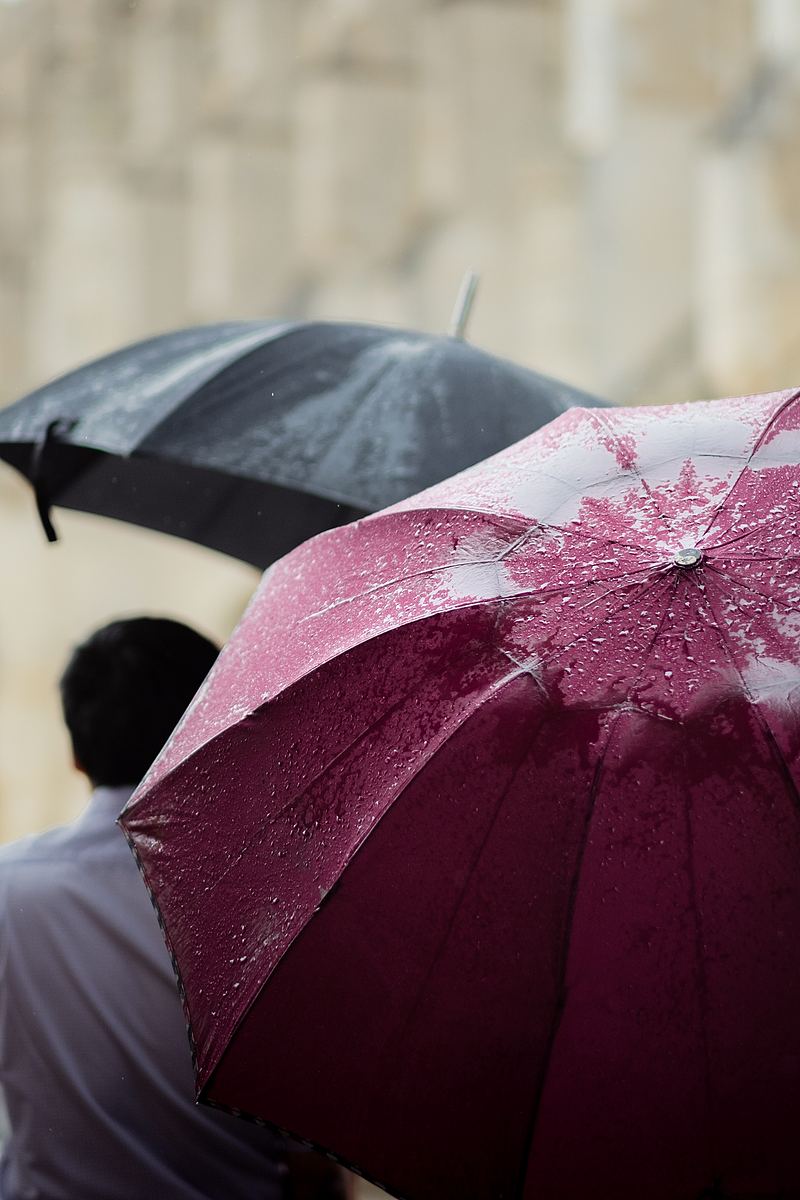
{"x": 43, "y": 509}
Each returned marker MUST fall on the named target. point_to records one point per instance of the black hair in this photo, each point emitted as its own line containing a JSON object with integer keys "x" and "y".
{"x": 124, "y": 690}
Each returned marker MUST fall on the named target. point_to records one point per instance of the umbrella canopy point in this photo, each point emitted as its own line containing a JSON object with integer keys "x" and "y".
{"x": 478, "y": 851}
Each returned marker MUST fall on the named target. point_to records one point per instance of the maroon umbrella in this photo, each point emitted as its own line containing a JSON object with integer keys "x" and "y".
{"x": 478, "y": 854}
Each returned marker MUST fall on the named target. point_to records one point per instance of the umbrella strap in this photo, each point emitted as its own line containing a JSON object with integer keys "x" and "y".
{"x": 40, "y": 473}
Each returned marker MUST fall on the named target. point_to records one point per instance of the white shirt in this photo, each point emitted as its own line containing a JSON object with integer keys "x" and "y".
{"x": 94, "y": 1058}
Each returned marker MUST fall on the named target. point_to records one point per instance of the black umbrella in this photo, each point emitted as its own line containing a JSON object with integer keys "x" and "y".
{"x": 250, "y": 437}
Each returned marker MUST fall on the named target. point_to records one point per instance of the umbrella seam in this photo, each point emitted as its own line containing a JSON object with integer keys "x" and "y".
{"x": 285, "y": 480}
{"x": 525, "y": 535}
{"x": 562, "y": 994}
{"x": 769, "y": 735}
{"x": 570, "y": 528}
{"x": 521, "y": 673}
{"x": 476, "y": 604}
{"x": 380, "y": 587}
{"x": 489, "y": 693}
{"x": 756, "y": 447}
{"x": 774, "y": 750}
{"x": 734, "y": 558}
{"x": 606, "y": 617}
{"x": 471, "y": 604}
{"x": 355, "y": 411}
{"x": 734, "y": 579}
{"x": 345, "y": 750}
{"x": 480, "y": 604}
{"x": 562, "y": 991}
{"x": 755, "y": 529}
{"x": 264, "y": 704}
{"x": 267, "y": 335}
{"x": 355, "y": 407}
{"x": 142, "y": 451}
{"x": 575, "y": 531}
{"x": 702, "y": 976}
{"x": 633, "y": 469}
{"x": 479, "y": 562}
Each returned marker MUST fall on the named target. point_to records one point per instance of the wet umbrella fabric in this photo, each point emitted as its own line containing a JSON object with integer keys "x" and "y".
{"x": 477, "y": 854}
{"x": 250, "y": 437}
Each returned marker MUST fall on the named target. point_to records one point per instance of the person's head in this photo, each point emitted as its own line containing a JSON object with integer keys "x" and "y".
{"x": 125, "y": 689}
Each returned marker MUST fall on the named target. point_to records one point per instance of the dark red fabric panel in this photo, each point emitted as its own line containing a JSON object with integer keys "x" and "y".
{"x": 675, "y": 1068}
{"x": 410, "y": 1022}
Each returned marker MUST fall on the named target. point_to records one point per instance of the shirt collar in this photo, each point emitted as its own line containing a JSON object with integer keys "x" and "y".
{"x": 106, "y": 803}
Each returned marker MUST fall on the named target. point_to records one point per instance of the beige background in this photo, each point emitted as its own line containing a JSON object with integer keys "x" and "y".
{"x": 624, "y": 173}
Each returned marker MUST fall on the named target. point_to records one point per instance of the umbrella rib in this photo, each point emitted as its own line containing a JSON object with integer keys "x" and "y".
{"x": 576, "y": 489}
{"x": 541, "y": 662}
{"x": 286, "y": 330}
{"x": 490, "y": 692}
{"x": 358, "y": 401}
{"x": 575, "y": 531}
{"x": 734, "y": 558}
{"x": 582, "y": 608}
{"x": 633, "y": 468}
{"x": 534, "y": 522}
{"x": 702, "y": 974}
{"x": 378, "y": 373}
{"x": 757, "y": 446}
{"x": 266, "y": 336}
{"x": 583, "y": 493}
{"x": 766, "y": 729}
{"x": 387, "y": 583}
{"x": 756, "y": 591}
{"x": 414, "y": 1007}
{"x": 472, "y": 562}
{"x": 561, "y": 994}
{"x": 586, "y": 583}
{"x": 373, "y": 376}
{"x": 271, "y": 818}
{"x": 192, "y": 753}
{"x": 754, "y": 529}
{"x": 607, "y": 617}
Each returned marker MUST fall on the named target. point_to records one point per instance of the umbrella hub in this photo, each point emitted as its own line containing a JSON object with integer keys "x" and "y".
{"x": 688, "y": 556}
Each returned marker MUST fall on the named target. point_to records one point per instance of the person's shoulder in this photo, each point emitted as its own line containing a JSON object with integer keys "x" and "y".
{"x": 34, "y": 871}
{"x": 36, "y": 848}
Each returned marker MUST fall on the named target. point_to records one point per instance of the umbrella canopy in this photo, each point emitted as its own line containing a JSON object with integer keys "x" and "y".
{"x": 478, "y": 852}
{"x": 250, "y": 437}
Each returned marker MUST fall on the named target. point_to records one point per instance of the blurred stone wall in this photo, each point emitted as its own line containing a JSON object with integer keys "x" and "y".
{"x": 624, "y": 173}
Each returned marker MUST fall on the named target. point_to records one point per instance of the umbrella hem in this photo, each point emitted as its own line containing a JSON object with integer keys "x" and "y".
{"x": 278, "y": 479}
{"x": 165, "y": 935}
{"x": 203, "y": 1099}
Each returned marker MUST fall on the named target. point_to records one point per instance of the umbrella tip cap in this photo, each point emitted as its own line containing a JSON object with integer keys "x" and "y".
{"x": 688, "y": 556}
